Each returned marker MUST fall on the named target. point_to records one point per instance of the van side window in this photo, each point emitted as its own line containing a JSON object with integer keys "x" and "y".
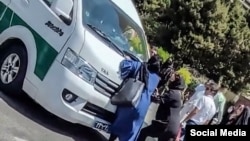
{"x": 49, "y": 3}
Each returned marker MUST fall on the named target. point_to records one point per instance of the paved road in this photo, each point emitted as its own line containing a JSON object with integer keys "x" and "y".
{"x": 21, "y": 119}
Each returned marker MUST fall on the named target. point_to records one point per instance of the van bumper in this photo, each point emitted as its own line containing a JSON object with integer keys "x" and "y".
{"x": 58, "y": 80}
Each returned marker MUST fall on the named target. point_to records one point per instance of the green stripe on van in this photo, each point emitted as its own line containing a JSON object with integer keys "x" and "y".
{"x": 46, "y": 54}
{"x": 5, "y": 17}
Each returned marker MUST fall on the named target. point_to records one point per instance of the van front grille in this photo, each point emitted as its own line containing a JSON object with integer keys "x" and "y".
{"x": 104, "y": 85}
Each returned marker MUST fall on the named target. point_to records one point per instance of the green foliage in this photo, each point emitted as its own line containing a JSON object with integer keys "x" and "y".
{"x": 192, "y": 85}
{"x": 163, "y": 54}
{"x": 184, "y": 72}
{"x": 152, "y": 11}
{"x": 135, "y": 42}
{"x": 212, "y": 36}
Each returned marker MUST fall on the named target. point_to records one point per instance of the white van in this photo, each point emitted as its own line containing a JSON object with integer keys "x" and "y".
{"x": 65, "y": 54}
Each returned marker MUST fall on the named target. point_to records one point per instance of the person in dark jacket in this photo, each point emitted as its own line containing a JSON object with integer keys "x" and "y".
{"x": 167, "y": 122}
{"x": 166, "y": 69}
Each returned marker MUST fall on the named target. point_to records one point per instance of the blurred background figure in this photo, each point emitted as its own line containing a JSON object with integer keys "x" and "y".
{"x": 153, "y": 51}
{"x": 220, "y": 101}
{"x": 237, "y": 115}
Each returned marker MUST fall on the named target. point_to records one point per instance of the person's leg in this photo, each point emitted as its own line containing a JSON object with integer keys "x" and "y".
{"x": 169, "y": 133}
{"x": 149, "y": 131}
{"x": 144, "y": 133}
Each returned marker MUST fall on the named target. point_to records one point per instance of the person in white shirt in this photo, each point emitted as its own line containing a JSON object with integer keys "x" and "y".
{"x": 188, "y": 106}
{"x": 204, "y": 108}
{"x": 200, "y": 90}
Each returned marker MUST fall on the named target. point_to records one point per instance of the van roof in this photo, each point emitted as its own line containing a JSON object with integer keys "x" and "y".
{"x": 129, "y": 8}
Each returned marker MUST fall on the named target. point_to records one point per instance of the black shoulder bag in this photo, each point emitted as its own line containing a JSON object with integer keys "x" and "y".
{"x": 130, "y": 90}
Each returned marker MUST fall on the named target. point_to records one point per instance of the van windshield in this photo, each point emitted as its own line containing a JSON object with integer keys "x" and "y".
{"x": 116, "y": 25}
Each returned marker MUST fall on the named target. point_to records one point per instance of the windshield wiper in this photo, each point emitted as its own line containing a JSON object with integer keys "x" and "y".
{"x": 104, "y": 36}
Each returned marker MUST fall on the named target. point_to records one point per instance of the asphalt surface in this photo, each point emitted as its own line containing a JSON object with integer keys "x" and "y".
{"x": 21, "y": 119}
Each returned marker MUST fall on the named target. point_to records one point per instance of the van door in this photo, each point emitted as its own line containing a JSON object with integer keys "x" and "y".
{"x": 49, "y": 30}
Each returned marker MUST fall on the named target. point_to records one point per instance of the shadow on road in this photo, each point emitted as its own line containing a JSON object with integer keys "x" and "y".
{"x": 27, "y": 107}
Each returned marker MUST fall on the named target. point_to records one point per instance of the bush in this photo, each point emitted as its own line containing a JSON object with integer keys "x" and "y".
{"x": 193, "y": 84}
{"x": 184, "y": 72}
{"x": 163, "y": 54}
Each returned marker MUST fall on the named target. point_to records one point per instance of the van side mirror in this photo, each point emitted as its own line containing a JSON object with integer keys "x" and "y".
{"x": 63, "y": 9}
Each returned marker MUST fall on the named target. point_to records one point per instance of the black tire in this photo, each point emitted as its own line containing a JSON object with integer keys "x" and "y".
{"x": 12, "y": 52}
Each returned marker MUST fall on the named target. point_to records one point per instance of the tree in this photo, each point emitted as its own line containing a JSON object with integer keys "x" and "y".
{"x": 211, "y": 36}
{"x": 152, "y": 12}
{"x": 236, "y": 47}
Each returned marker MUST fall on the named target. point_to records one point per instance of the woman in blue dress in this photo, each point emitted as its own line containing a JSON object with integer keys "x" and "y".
{"x": 129, "y": 120}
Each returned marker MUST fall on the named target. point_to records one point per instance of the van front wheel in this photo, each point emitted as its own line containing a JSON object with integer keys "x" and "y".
{"x": 13, "y": 65}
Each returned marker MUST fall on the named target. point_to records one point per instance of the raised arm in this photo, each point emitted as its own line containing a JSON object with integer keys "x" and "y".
{"x": 128, "y": 68}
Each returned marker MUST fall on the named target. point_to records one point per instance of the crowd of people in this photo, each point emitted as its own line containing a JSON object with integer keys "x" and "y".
{"x": 204, "y": 106}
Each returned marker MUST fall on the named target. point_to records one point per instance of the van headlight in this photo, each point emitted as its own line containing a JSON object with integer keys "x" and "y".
{"x": 79, "y": 66}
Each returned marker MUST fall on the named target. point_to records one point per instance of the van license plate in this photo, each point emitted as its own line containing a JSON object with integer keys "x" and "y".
{"x": 101, "y": 126}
